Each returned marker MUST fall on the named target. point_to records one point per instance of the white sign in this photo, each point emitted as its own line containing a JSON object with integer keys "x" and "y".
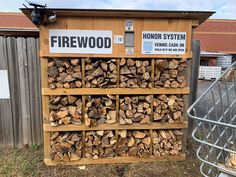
{"x": 118, "y": 39}
{"x": 129, "y": 25}
{"x": 156, "y": 42}
{"x": 129, "y": 50}
{"x": 4, "y": 89}
{"x": 80, "y": 41}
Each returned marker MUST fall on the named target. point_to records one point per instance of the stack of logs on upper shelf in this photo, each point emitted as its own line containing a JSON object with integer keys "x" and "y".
{"x": 106, "y": 109}
{"x": 103, "y": 73}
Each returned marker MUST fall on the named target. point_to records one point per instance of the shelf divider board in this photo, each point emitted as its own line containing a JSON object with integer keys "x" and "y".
{"x": 115, "y": 91}
{"x": 116, "y": 126}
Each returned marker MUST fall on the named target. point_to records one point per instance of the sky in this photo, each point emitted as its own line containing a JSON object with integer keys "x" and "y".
{"x": 225, "y": 9}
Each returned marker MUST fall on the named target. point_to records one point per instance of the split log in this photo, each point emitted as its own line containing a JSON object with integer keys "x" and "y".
{"x": 66, "y": 146}
{"x": 99, "y": 110}
{"x": 64, "y": 73}
{"x": 100, "y": 144}
{"x": 65, "y": 110}
{"x": 135, "y": 109}
{"x": 231, "y": 162}
{"x": 170, "y": 73}
{"x": 167, "y": 142}
{"x": 168, "y": 108}
{"x": 134, "y": 143}
{"x": 101, "y": 73}
{"x": 135, "y": 73}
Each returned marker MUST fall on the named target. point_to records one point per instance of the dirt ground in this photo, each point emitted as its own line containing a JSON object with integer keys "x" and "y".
{"x": 29, "y": 162}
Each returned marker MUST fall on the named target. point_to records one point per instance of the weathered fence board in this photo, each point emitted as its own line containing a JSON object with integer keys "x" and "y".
{"x": 20, "y": 116}
{"x": 5, "y": 104}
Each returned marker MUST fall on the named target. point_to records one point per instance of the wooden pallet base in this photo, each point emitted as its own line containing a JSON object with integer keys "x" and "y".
{"x": 84, "y": 161}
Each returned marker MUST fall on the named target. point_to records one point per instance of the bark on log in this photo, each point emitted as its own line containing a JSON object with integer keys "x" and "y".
{"x": 101, "y": 73}
{"x": 167, "y": 142}
{"x": 65, "y": 110}
{"x": 64, "y": 73}
{"x": 135, "y": 73}
{"x": 100, "y": 144}
{"x": 66, "y": 146}
{"x": 134, "y": 143}
{"x": 135, "y": 109}
{"x": 168, "y": 108}
{"x": 99, "y": 110}
{"x": 170, "y": 73}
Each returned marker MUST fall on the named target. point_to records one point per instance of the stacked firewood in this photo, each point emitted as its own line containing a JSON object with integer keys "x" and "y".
{"x": 168, "y": 108}
{"x": 135, "y": 73}
{"x": 64, "y": 73}
{"x": 100, "y": 144}
{"x": 134, "y": 143}
{"x": 170, "y": 73}
{"x": 135, "y": 109}
{"x": 101, "y": 73}
{"x": 65, "y": 110}
{"x": 66, "y": 146}
{"x": 167, "y": 142}
{"x": 99, "y": 110}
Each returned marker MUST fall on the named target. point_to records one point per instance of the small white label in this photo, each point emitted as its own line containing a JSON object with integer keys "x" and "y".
{"x": 157, "y": 42}
{"x": 80, "y": 41}
{"x": 129, "y": 51}
{"x": 118, "y": 39}
{"x": 4, "y": 89}
{"x": 129, "y": 25}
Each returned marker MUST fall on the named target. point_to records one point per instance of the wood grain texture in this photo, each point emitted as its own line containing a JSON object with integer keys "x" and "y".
{"x": 116, "y": 126}
{"x": 121, "y": 91}
{"x": 6, "y": 124}
{"x": 117, "y": 25}
{"x": 84, "y": 161}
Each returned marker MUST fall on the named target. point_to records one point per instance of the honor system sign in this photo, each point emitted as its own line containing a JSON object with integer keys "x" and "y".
{"x": 154, "y": 42}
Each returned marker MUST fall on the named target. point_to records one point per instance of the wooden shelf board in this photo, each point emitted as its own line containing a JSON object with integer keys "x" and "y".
{"x": 116, "y": 126}
{"x": 85, "y": 161}
{"x": 119, "y": 91}
{"x": 156, "y": 56}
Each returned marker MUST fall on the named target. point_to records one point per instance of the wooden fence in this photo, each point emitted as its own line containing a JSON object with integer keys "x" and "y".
{"x": 20, "y": 116}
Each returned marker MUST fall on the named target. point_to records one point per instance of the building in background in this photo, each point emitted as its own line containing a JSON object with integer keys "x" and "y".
{"x": 218, "y": 41}
{"x": 16, "y": 24}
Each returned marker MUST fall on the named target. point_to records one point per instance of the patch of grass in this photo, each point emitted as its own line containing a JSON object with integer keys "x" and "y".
{"x": 34, "y": 147}
{"x": 23, "y": 162}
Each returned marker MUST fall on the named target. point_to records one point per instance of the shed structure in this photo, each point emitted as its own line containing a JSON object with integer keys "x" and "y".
{"x": 115, "y": 84}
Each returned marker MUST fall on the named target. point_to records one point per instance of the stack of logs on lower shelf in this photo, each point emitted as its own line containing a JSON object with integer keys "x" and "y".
{"x": 123, "y": 116}
{"x": 72, "y": 146}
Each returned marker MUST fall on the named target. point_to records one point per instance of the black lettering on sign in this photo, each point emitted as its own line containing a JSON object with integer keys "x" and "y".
{"x": 73, "y": 41}
{"x": 82, "y": 42}
{"x": 53, "y": 40}
{"x": 65, "y": 41}
{"x": 107, "y": 42}
{"x": 92, "y": 42}
{"x": 99, "y": 42}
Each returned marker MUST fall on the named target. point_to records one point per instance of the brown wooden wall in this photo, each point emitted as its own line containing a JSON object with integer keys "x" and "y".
{"x": 117, "y": 25}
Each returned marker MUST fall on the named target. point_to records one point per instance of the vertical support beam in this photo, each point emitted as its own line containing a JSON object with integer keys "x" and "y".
{"x": 194, "y": 78}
